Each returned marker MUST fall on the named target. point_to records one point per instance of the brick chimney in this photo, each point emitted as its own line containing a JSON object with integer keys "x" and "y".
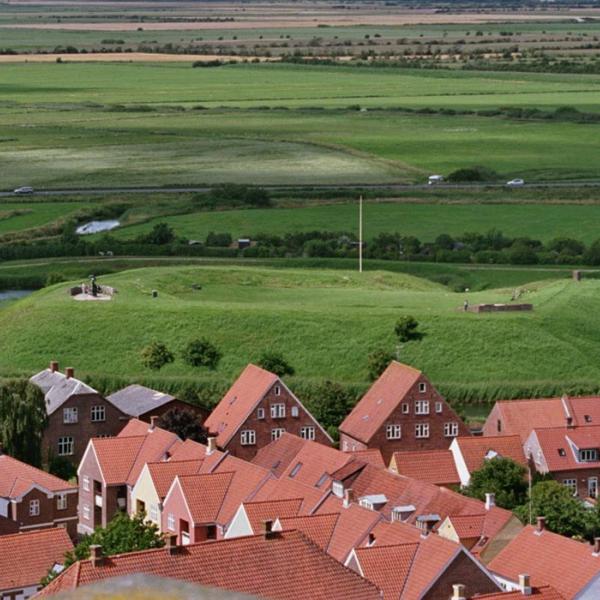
{"x": 490, "y": 501}
{"x": 525, "y": 584}
{"x": 211, "y": 445}
{"x": 153, "y": 421}
{"x": 541, "y": 524}
{"x": 348, "y": 497}
{"x": 458, "y": 592}
{"x": 171, "y": 543}
{"x": 53, "y": 366}
{"x": 69, "y": 372}
{"x": 596, "y": 539}
{"x": 268, "y": 530}
{"x": 96, "y": 555}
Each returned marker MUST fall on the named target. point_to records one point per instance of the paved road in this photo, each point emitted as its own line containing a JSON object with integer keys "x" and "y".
{"x": 371, "y": 186}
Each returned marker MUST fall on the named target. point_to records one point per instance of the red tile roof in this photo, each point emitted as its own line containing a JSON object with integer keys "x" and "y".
{"x": 388, "y": 533}
{"x": 189, "y": 450}
{"x": 25, "y": 558}
{"x": 475, "y": 449}
{"x": 278, "y": 454}
{"x": 544, "y": 592}
{"x": 286, "y": 567}
{"x": 557, "y": 447}
{"x": 280, "y": 489}
{"x": 318, "y": 528}
{"x": 270, "y": 510}
{"x": 17, "y": 478}
{"x": 204, "y": 495}
{"x": 549, "y": 559}
{"x": 370, "y": 455}
{"x": 380, "y": 400}
{"x": 433, "y": 466}
{"x": 163, "y": 473}
{"x": 239, "y": 402}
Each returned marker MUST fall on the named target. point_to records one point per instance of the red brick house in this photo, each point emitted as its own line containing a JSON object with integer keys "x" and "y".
{"x": 570, "y": 454}
{"x": 25, "y": 558}
{"x": 257, "y": 409}
{"x": 33, "y": 499}
{"x": 111, "y": 466}
{"x": 401, "y": 411}
{"x": 275, "y": 565}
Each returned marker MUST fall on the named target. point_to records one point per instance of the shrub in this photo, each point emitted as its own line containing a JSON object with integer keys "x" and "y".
{"x": 378, "y": 362}
{"x": 156, "y": 355}
{"x": 274, "y": 362}
{"x": 406, "y": 329}
{"x": 201, "y": 353}
{"x": 473, "y": 174}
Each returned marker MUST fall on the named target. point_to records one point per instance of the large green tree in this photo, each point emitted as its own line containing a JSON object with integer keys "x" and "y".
{"x": 22, "y": 420}
{"x": 185, "y": 423}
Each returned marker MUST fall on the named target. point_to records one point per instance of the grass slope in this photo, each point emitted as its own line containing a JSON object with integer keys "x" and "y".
{"x": 325, "y": 323}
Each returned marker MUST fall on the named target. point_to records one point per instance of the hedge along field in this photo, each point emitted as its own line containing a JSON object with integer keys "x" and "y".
{"x": 325, "y": 323}
{"x": 425, "y": 221}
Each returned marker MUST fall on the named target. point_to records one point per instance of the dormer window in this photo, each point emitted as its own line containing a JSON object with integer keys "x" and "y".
{"x": 588, "y": 455}
{"x": 422, "y": 387}
{"x": 337, "y": 487}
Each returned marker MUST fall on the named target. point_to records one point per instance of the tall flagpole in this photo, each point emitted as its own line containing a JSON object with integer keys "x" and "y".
{"x": 360, "y": 235}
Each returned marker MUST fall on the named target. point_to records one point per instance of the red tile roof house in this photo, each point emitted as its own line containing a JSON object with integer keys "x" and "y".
{"x": 275, "y": 565}
{"x": 543, "y": 592}
{"x": 570, "y": 454}
{"x": 111, "y": 466}
{"x": 257, "y": 409}
{"x": 25, "y": 558}
{"x": 433, "y": 466}
{"x": 33, "y": 499}
{"x": 519, "y": 417}
{"x": 470, "y": 453}
{"x": 401, "y": 411}
{"x": 569, "y": 566}
{"x": 250, "y": 517}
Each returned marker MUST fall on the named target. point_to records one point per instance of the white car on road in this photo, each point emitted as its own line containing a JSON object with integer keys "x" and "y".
{"x": 23, "y": 190}
{"x": 515, "y": 183}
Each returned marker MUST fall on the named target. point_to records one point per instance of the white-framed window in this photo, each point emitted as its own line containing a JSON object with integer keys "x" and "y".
{"x": 308, "y": 432}
{"x": 422, "y": 407}
{"x": 171, "y": 522}
{"x": 66, "y": 446}
{"x": 337, "y": 487}
{"x": 295, "y": 412}
{"x": 260, "y": 413}
{"x": 438, "y": 407}
{"x": 405, "y": 408}
{"x": 61, "y": 502}
{"x": 422, "y": 387}
{"x": 86, "y": 483}
{"x": 70, "y": 415}
{"x": 154, "y": 512}
{"x": 451, "y": 429}
{"x": 588, "y": 455}
{"x": 86, "y": 512}
{"x": 98, "y": 413}
{"x": 276, "y": 433}
{"x": 278, "y": 390}
{"x": 572, "y": 485}
{"x": 34, "y": 508}
{"x": 422, "y": 430}
{"x": 277, "y": 411}
{"x": 248, "y": 437}
{"x": 593, "y": 487}
{"x": 393, "y": 432}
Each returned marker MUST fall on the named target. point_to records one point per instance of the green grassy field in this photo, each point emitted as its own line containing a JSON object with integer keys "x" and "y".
{"x": 17, "y": 216}
{"x": 325, "y": 322}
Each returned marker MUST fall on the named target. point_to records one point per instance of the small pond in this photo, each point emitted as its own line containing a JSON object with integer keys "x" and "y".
{"x": 97, "y": 227}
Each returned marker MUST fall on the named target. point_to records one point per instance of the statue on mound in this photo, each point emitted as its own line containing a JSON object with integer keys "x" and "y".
{"x": 95, "y": 286}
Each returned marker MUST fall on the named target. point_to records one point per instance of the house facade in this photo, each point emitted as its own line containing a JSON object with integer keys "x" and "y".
{"x": 258, "y": 409}
{"x": 401, "y": 411}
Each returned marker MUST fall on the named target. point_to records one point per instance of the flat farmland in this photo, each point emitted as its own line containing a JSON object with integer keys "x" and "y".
{"x": 18, "y": 216}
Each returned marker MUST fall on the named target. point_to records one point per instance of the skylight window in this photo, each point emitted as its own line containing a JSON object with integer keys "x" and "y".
{"x": 295, "y": 470}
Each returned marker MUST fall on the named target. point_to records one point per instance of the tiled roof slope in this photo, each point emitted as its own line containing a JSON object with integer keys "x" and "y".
{"x": 190, "y": 450}
{"x": 544, "y": 592}
{"x": 475, "y": 449}
{"x": 286, "y": 489}
{"x": 205, "y": 495}
{"x": 277, "y": 455}
{"x": 370, "y": 455}
{"x": 270, "y": 510}
{"x": 380, "y": 400}
{"x": 433, "y": 466}
{"x": 318, "y": 528}
{"x": 17, "y": 477}
{"x": 163, "y": 473}
{"x": 286, "y": 566}
{"x": 237, "y": 404}
{"x": 560, "y": 446}
{"x": 550, "y": 559}
{"x": 136, "y": 400}
{"x": 25, "y": 558}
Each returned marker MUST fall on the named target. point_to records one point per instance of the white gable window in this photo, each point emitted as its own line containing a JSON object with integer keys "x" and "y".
{"x": 276, "y": 433}
{"x": 171, "y": 522}
{"x": 70, "y": 415}
{"x": 248, "y": 437}
{"x": 260, "y": 413}
{"x": 438, "y": 407}
{"x": 66, "y": 446}
{"x": 34, "y": 508}
{"x": 588, "y": 455}
{"x": 422, "y": 387}
{"x": 154, "y": 512}
{"x": 295, "y": 412}
{"x": 308, "y": 432}
{"x": 451, "y": 429}
{"x": 278, "y": 390}
{"x": 422, "y": 407}
{"x": 422, "y": 430}
{"x": 86, "y": 483}
{"x": 277, "y": 411}
{"x": 98, "y": 413}
{"x": 405, "y": 408}
{"x": 393, "y": 432}
{"x": 61, "y": 502}
{"x": 86, "y": 512}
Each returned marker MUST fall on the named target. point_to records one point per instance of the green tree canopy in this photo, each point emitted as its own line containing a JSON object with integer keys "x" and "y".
{"x": 201, "y": 353}
{"x": 378, "y": 362}
{"x": 406, "y": 329}
{"x": 185, "y": 423}
{"x": 274, "y": 362}
{"x": 156, "y": 355}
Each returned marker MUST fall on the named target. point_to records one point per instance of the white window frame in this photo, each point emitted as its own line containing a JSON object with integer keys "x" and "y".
{"x": 405, "y": 408}
{"x": 278, "y": 411}
{"x": 248, "y": 437}
{"x": 86, "y": 483}
{"x": 34, "y": 508}
{"x": 451, "y": 429}
{"x": 308, "y": 432}
{"x": 260, "y": 413}
{"x": 278, "y": 390}
{"x": 589, "y": 482}
{"x": 61, "y": 502}
{"x": 572, "y": 485}
{"x": 98, "y": 413}
{"x": 421, "y": 407}
{"x": 421, "y": 431}
{"x": 66, "y": 445}
{"x": 588, "y": 455}
{"x": 70, "y": 415}
{"x": 154, "y": 512}
{"x": 439, "y": 406}
{"x": 295, "y": 412}
{"x": 86, "y": 512}
{"x": 393, "y": 431}
{"x": 276, "y": 433}
{"x": 422, "y": 387}
{"x": 171, "y": 522}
